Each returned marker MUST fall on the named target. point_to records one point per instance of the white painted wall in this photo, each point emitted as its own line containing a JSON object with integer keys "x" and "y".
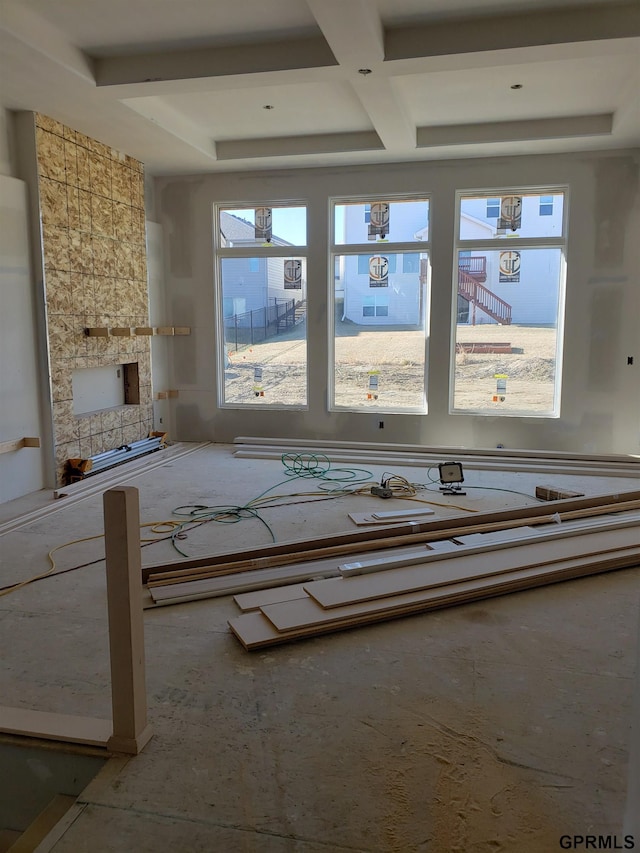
{"x": 158, "y": 316}
{"x": 600, "y": 404}
{"x": 21, "y": 470}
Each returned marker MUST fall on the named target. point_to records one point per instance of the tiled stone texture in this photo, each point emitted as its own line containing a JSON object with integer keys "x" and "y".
{"x": 93, "y": 224}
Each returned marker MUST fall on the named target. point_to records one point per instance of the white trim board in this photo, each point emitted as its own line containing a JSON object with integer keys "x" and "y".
{"x": 293, "y": 615}
{"x": 335, "y": 592}
{"x": 381, "y": 454}
{"x": 256, "y": 579}
{"x": 413, "y": 533}
{"x": 476, "y": 543}
{"x": 435, "y": 449}
{"x": 248, "y": 601}
{"x": 366, "y": 519}
{"x": 254, "y": 630}
{"x": 388, "y": 460}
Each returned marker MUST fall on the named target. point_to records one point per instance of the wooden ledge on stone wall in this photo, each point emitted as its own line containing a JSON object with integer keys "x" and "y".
{"x": 128, "y": 331}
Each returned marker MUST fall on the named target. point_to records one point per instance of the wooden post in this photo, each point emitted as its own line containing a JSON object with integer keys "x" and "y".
{"x": 126, "y": 628}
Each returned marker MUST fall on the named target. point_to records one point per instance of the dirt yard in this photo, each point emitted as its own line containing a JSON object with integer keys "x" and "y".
{"x": 398, "y": 355}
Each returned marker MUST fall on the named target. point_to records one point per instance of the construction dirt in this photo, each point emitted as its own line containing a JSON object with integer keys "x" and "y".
{"x": 522, "y": 380}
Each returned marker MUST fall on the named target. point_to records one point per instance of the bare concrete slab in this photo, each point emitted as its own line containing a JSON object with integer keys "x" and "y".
{"x": 499, "y": 725}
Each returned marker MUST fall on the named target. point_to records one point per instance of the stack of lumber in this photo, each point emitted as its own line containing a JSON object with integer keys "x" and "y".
{"x": 289, "y": 613}
{"x": 415, "y": 455}
{"x": 363, "y": 551}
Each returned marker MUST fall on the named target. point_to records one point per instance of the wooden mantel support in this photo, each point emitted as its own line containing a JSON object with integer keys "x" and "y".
{"x": 129, "y": 331}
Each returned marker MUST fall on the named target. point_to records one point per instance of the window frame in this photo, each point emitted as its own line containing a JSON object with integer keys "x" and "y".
{"x": 251, "y": 251}
{"x": 517, "y": 243}
{"x": 387, "y": 247}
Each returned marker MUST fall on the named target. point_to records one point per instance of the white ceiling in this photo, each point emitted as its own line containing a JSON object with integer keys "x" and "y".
{"x": 182, "y": 84}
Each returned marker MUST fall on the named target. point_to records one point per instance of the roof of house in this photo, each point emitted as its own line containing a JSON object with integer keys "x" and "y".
{"x": 234, "y": 229}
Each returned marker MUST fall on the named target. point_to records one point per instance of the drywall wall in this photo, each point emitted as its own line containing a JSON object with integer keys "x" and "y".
{"x": 161, "y": 345}
{"x": 6, "y": 143}
{"x": 21, "y": 470}
{"x": 600, "y": 403}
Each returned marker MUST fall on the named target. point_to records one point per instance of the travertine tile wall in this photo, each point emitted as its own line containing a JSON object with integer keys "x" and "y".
{"x": 93, "y": 224}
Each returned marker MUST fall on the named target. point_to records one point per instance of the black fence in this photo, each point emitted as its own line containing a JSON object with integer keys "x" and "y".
{"x": 255, "y": 326}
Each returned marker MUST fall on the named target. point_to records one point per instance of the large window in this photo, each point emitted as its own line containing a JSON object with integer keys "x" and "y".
{"x": 380, "y": 304}
{"x": 509, "y": 300}
{"x": 261, "y": 271}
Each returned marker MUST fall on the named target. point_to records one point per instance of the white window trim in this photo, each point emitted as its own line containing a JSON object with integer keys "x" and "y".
{"x": 499, "y": 243}
{"x": 371, "y": 248}
{"x": 258, "y": 251}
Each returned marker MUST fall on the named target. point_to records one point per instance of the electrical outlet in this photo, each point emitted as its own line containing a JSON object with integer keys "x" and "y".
{"x": 380, "y": 424}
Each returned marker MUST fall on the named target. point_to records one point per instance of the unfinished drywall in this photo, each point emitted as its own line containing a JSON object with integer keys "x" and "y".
{"x": 161, "y": 345}
{"x": 6, "y": 143}
{"x": 93, "y": 239}
{"x": 600, "y": 402}
{"x": 21, "y": 471}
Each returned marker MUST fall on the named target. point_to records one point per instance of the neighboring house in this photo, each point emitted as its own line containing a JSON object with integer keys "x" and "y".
{"x": 401, "y": 301}
{"x": 250, "y": 284}
{"x": 485, "y": 293}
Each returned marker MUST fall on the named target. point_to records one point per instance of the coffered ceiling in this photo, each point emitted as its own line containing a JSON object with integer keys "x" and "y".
{"x": 203, "y": 85}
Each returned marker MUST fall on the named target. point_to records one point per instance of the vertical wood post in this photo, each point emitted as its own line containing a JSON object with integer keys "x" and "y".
{"x": 126, "y": 627}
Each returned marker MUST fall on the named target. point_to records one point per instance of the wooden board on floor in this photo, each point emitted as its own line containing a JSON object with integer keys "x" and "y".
{"x": 335, "y": 592}
{"x": 303, "y": 613}
{"x": 50, "y": 726}
{"x": 257, "y": 558}
{"x": 367, "y": 519}
{"x": 255, "y": 631}
{"x": 165, "y": 593}
{"x": 269, "y": 576}
{"x": 247, "y": 601}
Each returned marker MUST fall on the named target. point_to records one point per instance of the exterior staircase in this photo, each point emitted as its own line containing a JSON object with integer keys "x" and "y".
{"x": 294, "y": 313}
{"x": 481, "y": 297}
{"x": 472, "y": 271}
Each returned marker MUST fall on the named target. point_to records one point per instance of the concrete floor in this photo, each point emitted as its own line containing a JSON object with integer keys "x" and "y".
{"x": 497, "y": 726}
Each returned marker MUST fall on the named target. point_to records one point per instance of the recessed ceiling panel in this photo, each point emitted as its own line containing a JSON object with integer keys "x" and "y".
{"x": 398, "y": 12}
{"x": 572, "y": 87}
{"x": 103, "y": 27}
{"x": 267, "y": 112}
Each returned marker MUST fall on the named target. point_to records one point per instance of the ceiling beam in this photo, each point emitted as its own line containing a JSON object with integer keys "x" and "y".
{"x": 286, "y": 146}
{"x": 38, "y": 34}
{"x": 505, "y": 32}
{"x": 355, "y": 34}
{"x": 383, "y": 103}
{"x": 172, "y": 121}
{"x": 514, "y": 131}
{"x": 353, "y": 31}
{"x": 211, "y": 62}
